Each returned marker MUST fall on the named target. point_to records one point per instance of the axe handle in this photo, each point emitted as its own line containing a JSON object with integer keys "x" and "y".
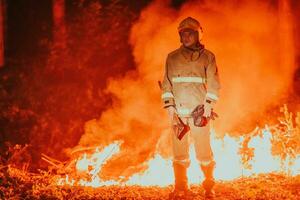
{"x": 159, "y": 85}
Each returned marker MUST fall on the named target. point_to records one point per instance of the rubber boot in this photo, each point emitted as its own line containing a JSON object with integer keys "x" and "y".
{"x": 181, "y": 181}
{"x": 209, "y": 181}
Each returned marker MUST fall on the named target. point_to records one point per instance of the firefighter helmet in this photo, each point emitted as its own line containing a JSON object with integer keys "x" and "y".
{"x": 189, "y": 23}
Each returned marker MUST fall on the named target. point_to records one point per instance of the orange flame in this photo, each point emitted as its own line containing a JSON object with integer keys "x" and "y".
{"x": 160, "y": 171}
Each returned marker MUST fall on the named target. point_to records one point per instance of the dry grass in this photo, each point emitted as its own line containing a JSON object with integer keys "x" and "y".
{"x": 17, "y": 184}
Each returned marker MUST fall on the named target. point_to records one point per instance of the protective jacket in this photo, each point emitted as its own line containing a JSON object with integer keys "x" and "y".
{"x": 191, "y": 77}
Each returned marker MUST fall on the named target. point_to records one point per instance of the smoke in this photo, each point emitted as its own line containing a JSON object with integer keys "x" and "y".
{"x": 296, "y": 89}
{"x": 243, "y": 37}
{"x": 136, "y": 116}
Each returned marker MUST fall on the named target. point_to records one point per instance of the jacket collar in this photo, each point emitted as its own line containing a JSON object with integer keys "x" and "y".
{"x": 192, "y": 53}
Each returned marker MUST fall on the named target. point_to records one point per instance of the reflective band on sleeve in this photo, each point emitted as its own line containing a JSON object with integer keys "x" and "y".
{"x": 184, "y": 111}
{"x": 188, "y": 79}
{"x": 212, "y": 96}
{"x": 167, "y": 95}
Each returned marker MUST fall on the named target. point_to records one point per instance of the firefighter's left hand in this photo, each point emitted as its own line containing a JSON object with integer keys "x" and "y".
{"x": 207, "y": 109}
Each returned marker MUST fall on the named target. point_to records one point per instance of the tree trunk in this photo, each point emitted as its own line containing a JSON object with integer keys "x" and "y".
{"x": 59, "y": 29}
{"x": 2, "y": 31}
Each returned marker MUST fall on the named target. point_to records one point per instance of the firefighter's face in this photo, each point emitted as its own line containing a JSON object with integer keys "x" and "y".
{"x": 188, "y": 37}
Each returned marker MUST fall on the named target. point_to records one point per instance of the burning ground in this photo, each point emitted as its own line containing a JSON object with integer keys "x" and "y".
{"x": 85, "y": 121}
{"x": 16, "y": 184}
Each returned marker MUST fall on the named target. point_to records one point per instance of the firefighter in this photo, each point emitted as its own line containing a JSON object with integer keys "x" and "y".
{"x": 190, "y": 79}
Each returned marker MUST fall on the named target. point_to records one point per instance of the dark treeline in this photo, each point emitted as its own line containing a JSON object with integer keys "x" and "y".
{"x": 48, "y": 90}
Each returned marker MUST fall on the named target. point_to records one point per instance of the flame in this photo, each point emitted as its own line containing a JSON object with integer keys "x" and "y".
{"x": 227, "y": 151}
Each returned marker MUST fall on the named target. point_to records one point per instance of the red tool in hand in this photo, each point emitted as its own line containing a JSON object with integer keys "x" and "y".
{"x": 199, "y": 119}
{"x": 179, "y": 128}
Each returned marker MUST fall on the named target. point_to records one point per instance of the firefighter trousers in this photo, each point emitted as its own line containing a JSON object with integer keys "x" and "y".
{"x": 201, "y": 139}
